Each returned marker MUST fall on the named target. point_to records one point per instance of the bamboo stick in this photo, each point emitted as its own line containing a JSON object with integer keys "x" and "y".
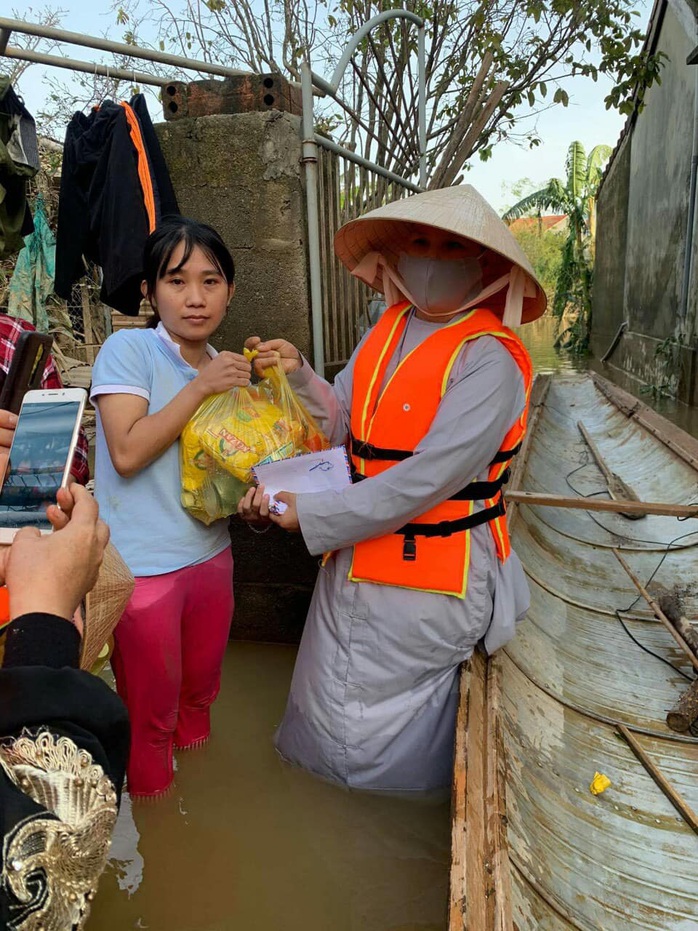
{"x": 676, "y": 800}
{"x": 595, "y": 504}
{"x": 658, "y": 613}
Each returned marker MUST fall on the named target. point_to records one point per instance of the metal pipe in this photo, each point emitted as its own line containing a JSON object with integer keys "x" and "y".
{"x": 365, "y": 163}
{"x": 73, "y": 64}
{"x": 422, "y": 105}
{"x": 310, "y": 159}
{"x": 118, "y": 48}
{"x": 4, "y": 39}
{"x": 356, "y": 39}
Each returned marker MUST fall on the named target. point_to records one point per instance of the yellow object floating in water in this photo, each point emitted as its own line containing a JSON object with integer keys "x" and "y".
{"x": 599, "y": 784}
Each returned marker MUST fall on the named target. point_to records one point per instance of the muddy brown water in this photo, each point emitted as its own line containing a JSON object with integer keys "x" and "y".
{"x": 246, "y": 844}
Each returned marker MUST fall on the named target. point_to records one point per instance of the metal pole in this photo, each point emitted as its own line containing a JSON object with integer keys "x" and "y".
{"x": 361, "y": 33}
{"x": 422, "y": 105}
{"x": 72, "y": 64}
{"x": 326, "y": 143}
{"x": 118, "y": 48}
{"x": 310, "y": 160}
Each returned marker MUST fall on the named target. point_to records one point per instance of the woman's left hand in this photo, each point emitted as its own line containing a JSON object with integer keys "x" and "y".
{"x": 289, "y": 519}
{"x": 254, "y": 507}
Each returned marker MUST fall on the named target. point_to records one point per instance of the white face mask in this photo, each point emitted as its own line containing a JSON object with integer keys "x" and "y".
{"x": 440, "y": 287}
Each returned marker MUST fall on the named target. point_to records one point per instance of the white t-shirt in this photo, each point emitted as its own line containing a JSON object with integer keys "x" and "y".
{"x": 148, "y": 524}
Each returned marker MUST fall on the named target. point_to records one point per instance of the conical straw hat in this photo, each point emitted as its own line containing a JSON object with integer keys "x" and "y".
{"x": 105, "y": 604}
{"x": 458, "y": 210}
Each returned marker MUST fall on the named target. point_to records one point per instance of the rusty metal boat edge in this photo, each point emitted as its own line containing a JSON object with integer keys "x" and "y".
{"x": 532, "y": 848}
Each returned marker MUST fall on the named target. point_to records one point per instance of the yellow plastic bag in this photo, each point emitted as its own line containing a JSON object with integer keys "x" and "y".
{"x": 208, "y": 492}
{"x": 232, "y": 432}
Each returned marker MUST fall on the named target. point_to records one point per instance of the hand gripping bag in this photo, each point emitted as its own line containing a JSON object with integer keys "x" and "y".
{"x": 234, "y": 431}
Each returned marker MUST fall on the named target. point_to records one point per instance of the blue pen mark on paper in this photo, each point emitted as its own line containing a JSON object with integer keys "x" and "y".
{"x": 324, "y": 466}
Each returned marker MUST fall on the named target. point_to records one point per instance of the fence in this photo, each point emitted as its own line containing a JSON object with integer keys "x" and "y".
{"x": 345, "y": 191}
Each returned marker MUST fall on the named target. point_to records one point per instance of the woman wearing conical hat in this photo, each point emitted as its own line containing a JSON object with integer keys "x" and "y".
{"x": 432, "y": 406}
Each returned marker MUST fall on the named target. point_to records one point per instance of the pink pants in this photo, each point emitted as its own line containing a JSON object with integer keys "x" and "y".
{"x": 168, "y": 653}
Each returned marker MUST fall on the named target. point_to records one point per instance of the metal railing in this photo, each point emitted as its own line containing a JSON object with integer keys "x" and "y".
{"x": 341, "y": 185}
{"x": 8, "y": 26}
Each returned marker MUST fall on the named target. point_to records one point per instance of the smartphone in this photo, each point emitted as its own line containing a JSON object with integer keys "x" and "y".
{"x": 40, "y": 458}
{"x": 26, "y": 369}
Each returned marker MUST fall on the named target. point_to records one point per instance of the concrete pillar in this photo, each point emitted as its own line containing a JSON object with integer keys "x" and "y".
{"x": 241, "y": 173}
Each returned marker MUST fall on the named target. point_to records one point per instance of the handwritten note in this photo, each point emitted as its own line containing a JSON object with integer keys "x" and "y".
{"x": 324, "y": 471}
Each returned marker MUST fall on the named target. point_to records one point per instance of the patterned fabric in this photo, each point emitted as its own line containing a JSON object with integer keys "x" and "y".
{"x": 52, "y": 863}
{"x": 10, "y": 329}
{"x": 32, "y": 280}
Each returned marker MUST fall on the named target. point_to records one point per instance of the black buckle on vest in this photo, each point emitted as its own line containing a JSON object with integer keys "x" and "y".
{"x": 409, "y": 548}
{"x": 365, "y": 450}
{"x": 446, "y": 528}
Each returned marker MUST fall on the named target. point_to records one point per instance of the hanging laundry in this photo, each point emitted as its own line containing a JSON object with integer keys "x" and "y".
{"x": 32, "y": 281}
{"x": 114, "y": 190}
{"x": 19, "y": 161}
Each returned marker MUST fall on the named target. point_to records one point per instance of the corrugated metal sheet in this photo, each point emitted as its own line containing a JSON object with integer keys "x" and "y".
{"x": 625, "y": 859}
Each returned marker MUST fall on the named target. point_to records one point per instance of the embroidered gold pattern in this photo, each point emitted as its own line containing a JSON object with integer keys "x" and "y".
{"x": 51, "y": 867}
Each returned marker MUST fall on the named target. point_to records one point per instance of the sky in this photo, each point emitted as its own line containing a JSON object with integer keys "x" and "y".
{"x": 585, "y": 119}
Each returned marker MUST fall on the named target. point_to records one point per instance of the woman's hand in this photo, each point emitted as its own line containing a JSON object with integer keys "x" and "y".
{"x": 227, "y": 370}
{"x": 52, "y": 573}
{"x": 274, "y": 352}
{"x": 289, "y": 519}
{"x": 254, "y": 507}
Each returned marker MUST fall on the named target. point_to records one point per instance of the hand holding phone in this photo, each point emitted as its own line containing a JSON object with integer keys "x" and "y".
{"x": 40, "y": 458}
{"x": 53, "y": 574}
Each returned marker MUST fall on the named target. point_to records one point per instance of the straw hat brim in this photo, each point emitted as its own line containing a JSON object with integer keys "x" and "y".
{"x": 460, "y": 211}
{"x": 105, "y": 604}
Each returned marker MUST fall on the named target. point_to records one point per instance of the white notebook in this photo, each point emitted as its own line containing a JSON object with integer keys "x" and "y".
{"x": 327, "y": 470}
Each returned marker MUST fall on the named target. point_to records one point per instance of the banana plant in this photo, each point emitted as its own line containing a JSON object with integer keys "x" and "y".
{"x": 576, "y": 198}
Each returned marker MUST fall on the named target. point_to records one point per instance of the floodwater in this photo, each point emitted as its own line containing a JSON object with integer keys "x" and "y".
{"x": 244, "y": 843}
{"x": 247, "y": 844}
{"x": 539, "y": 338}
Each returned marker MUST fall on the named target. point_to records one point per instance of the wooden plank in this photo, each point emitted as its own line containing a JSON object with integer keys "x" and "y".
{"x": 618, "y": 489}
{"x": 88, "y": 335}
{"x": 658, "y": 613}
{"x": 596, "y": 504}
{"x": 477, "y": 884}
{"x": 676, "y": 800}
{"x": 676, "y": 439}
{"x": 469, "y": 884}
{"x": 500, "y": 918}
{"x": 459, "y": 826}
{"x": 539, "y": 393}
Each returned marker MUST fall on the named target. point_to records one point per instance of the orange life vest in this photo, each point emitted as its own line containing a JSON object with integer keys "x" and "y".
{"x": 432, "y": 552}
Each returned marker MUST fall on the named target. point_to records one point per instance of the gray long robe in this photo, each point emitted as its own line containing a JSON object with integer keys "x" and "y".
{"x": 374, "y": 692}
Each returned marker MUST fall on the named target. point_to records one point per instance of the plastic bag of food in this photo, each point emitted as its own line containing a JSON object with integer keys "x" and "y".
{"x": 208, "y": 492}
{"x": 234, "y": 431}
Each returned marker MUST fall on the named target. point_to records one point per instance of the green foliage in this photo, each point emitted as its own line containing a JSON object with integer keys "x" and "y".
{"x": 668, "y": 364}
{"x": 544, "y": 251}
{"x": 489, "y": 65}
{"x": 576, "y": 198}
